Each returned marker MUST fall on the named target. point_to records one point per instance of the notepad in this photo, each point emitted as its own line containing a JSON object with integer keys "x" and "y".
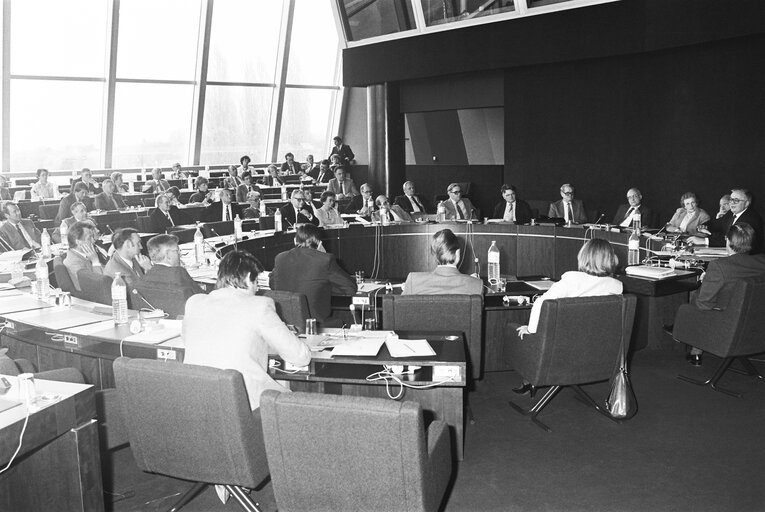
{"x": 545, "y": 284}
{"x": 409, "y": 348}
{"x": 362, "y": 347}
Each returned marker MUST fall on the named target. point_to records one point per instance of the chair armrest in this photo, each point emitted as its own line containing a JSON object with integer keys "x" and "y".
{"x": 25, "y": 366}
{"x": 524, "y": 354}
{"x": 710, "y": 330}
{"x": 111, "y": 421}
{"x": 438, "y": 468}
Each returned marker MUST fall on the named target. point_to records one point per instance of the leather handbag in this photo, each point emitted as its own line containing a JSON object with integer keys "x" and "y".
{"x": 621, "y": 402}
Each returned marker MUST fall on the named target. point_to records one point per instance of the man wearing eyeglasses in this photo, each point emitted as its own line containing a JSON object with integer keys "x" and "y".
{"x": 740, "y": 212}
{"x": 296, "y": 212}
{"x": 567, "y": 208}
{"x": 458, "y": 207}
{"x": 626, "y": 213}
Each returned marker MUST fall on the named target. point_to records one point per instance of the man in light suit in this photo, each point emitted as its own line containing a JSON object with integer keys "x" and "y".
{"x": 245, "y": 188}
{"x": 297, "y": 212}
{"x": 512, "y": 209}
{"x": 739, "y": 265}
{"x": 166, "y": 269}
{"x": 740, "y": 212}
{"x": 446, "y": 278}
{"x": 627, "y": 212}
{"x": 309, "y": 270}
{"x": 16, "y": 232}
{"x": 164, "y": 216}
{"x": 82, "y": 252}
{"x": 78, "y": 195}
{"x": 86, "y": 178}
{"x": 342, "y": 185}
{"x": 386, "y": 212}
{"x": 568, "y": 208}
{"x": 127, "y": 258}
{"x": 458, "y": 207}
{"x": 156, "y": 185}
{"x": 411, "y": 202}
{"x": 232, "y": 181}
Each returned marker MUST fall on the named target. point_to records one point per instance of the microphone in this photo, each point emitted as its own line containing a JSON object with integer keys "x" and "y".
{"x": 110, "y": 229}
{"x": 600, "y": 218}
{"x": 352, "y": 307}
{"x": 224, "y": 244}
{"x": 140, "y": 296}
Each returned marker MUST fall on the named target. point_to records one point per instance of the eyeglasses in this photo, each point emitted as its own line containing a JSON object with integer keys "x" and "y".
{"x": 456, "y": 192}
{"x": 567, "y": 192}
{"x": 736, "y": 200}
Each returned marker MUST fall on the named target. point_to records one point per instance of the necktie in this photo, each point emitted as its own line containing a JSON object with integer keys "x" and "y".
{"x": 170, "y": 219}
{"x": 416, "y": 206}
{"x": 23, "y": 236}
{"x": 228, "y": 212}
{"x": 509, "y": 217}
{"x": 570, "y": 212}
{"x": 460, "y": 215}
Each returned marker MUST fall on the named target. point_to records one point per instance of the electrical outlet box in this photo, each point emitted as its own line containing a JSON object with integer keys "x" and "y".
{"x": 360, "y": 300}
{"x": 166, "y": 354}
{"x": 289, "y": 367}
{"x": 70, "y": 339}
{"x": 446, "y": 372}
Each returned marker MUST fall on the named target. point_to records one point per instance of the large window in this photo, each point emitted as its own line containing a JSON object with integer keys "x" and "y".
{"x": 142, "y": 83}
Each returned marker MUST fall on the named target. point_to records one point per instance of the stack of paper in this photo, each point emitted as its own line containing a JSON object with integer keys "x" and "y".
{"x": 409, "y": 348}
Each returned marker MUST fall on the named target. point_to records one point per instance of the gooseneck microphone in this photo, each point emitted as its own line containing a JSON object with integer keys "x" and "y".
{"x": 140, "y": 296}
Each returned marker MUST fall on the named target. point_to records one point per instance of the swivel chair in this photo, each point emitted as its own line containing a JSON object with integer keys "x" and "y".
{"x": 291, "y": 307}
{"x": 732, "y": 332}
{"x": 95, "y": 287}
{"x": 578, "y": 342}
{"x": 193, "y": 423}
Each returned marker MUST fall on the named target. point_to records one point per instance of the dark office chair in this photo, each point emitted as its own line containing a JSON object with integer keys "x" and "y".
{"x": 440, "y": 313}
{"x": 291, "y": 307}
{"x": 734, "y": 332}
{"x": 95, "y": 287}
{"x": 222, "y": 228}
{"x": 377, "y": 457}
{"x": 63, "y": 279}
{"x": 154, "y": 296}
{"x": 578, "y": 341}
{"x": 48, "y": 211}
{"x": 193, "y": 423}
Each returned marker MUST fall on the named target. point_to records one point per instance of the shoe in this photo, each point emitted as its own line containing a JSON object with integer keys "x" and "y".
{"x": 668, "y": 329}
{"x": 694, "y": 359}
{"x": 222, "y": 493}
{"x": 526, "y": 388}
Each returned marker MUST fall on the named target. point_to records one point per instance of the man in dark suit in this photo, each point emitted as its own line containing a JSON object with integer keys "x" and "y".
{"x": 412, "y": 202}
{"x": 446, "y": 278}
{"x": 108, "y": 200}
{"x": 740, "y": 212}
{"x": 297, "y": 212}
{"x": 512, "y": 209}
{"x": 164, "y": 216}
{"x": 223, "y": 210}
{"x": 166, "y": 267}
{"x": 86, "y": 177}
{"x": 127, "y": 258}
{"x": 739, "y": 265}
{"x": 322, "y": 174}
{"x": 567, "y": 208}
{"x": 82, "y": 253}
{"x": 290, "y": 166}
{"x": 18, "y": 233}
{"x": 626, "y": 213}
{"x": 458, "y": 207}
{"x": 78, "y": 195}
{"x": 362, "y": 204}
{"x": 342, "y": 150}
{"x": 309, "y": 270}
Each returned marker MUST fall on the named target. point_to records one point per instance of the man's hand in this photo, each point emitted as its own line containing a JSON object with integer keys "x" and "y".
{"x": 90, "y": 252}
{"x": 524, "y": 329}
{"x": 143, "y": 261}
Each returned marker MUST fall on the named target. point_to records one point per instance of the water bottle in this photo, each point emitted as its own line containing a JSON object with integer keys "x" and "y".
{"x": 41, "y": 275}
{"x": 119, "y": 300}
{"x": 45, "y": 243}
{"x": 370, "y": 206}
{"x": 384, "y": 217}
{"x": 284, "y": 192}
{"x": 493, "y": 263}
{"x": 237, "y": 227}
{"x": 441, "y": 212}
{"x": 63, "y": 231}
{"x": 262, "y": 209}
{"x": 199, "y": 245}
{"x": 278, "y": 220}
{"x": 633, "y": 246}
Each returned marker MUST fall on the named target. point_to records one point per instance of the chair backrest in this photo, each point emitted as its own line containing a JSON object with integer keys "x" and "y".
{"x": 291, "y": 307}
{"x": 373, "y": 452}
{"x": 223, "y": 227}
{"x": 63, "y": 279}
{"x": 154, "y": 296}
{"x": 48, "y": 211}
{"x": 746, "y": 306}
{"x": 440, "y": 313}
{"x": 148, "y": 202}
{"x": 95, "y": 287}
{"x": 577, "y": 341}
{"x": 191, "y": 422}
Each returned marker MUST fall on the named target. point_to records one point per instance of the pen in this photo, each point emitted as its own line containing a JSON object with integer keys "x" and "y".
{"x": 407, "y": 346}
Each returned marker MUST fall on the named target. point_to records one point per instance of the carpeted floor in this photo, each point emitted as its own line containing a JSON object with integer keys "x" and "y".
{"x": 688, "y": 449}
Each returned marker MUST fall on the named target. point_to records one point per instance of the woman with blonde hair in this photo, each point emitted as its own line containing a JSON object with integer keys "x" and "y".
{"x": 596, "y": 266}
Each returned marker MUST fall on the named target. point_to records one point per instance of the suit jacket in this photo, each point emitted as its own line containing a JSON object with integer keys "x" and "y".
{"x": 451, "y": 211}
{"x": 315, "y": 173}
{"x": 5, "y": 194}
{"x": 93, "y": 188}
{"x": 200, "y": 197}
{"x": 288, "y": 216}
{"x": 699, "y": 217}
{"x": 556, "y": 211}
{"x": 724, "y": 270}
{"x": 356, "y": 204}
{"x": 65, "y": 207}
{"x": 74, "y": 262}
{"x": 174, "y": 277}
{"x": 251, "y": 331}
{"x": 104, "y": 202}
{"x": 346, "y": 155}
{"x": 522, "y": 211}
{"x": 328, "y": 218}
{"x": 348, "y": 188}
{"x": 444, "y": 280}
{"x": 154, "y": 187}
{"x": 313, "y": 273}
{"x": 131, "y": 272}
{"x": 646, "y": 215}
{"x": 159, "y": 222}
{"x": 12, "y": 237}
{"x": 406, "y": 204}
{"x": 719, "y": 228}
{"x": 397, "y": 211}
{"x": 231, "y": 183}
{"x": 254, "y": 213}
{"x": 242, "y": 191}
{"x": 271, "y": 181}
{"x": 294, "y": 169}
{"x": 214, "y": 212}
